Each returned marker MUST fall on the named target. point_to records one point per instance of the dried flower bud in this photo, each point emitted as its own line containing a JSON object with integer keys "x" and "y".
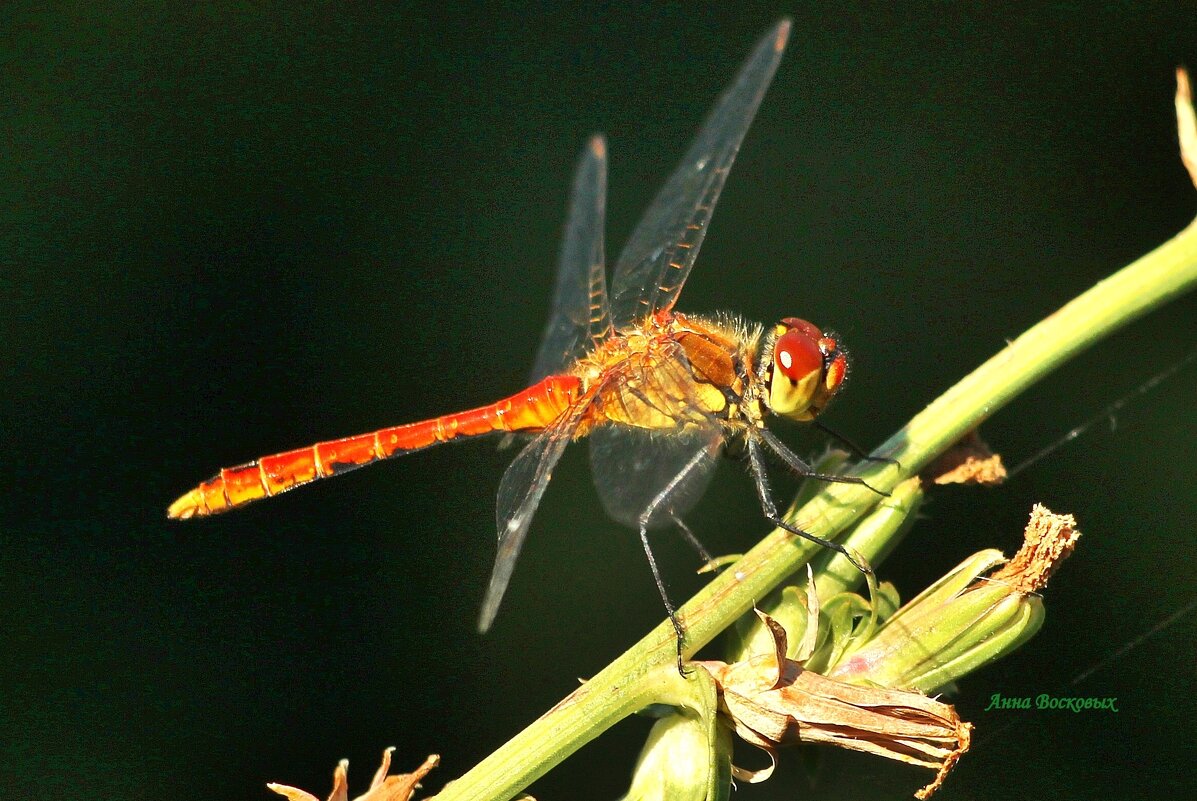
{"x": 966, "y": 619}
{"x": 771, "y": 701}
{"x": 400, "y": 787}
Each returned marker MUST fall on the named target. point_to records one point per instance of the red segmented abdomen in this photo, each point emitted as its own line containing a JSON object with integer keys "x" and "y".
{"x": 531, "y": 410}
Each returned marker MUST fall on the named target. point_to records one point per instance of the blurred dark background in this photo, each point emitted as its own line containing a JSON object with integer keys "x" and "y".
{"x": 228, "y": 231}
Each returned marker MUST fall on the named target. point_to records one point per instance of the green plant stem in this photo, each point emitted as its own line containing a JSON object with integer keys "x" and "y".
{"x": 629, "y": 684}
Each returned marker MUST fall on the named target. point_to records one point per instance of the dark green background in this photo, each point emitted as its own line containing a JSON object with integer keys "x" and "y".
{"x": 231, "y": 231}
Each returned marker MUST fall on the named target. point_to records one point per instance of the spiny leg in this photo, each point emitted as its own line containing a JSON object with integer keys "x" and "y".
{"x": 645, "y": 518}
{"x": 669, "y": 607}
{"x": 689, "y": 537}
{"x": 803, "y": 469}
{"x": 756, "y": 462}
{"x": 857, "y": 451}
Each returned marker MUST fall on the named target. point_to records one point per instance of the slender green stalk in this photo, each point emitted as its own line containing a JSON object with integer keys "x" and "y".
{"x": 635, "y": 679}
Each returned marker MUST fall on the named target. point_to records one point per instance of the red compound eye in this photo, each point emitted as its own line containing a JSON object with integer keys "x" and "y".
{"x": 835, "y": 373}
{"x": 808, "y": 328}
{"x": 797, "y": 353}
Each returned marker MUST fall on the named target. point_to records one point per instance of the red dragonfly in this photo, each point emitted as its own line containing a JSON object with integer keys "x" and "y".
{"x": 658, "y": 393}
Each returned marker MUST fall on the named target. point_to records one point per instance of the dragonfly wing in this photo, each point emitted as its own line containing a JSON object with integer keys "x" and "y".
{"x": 581, "y": 314}
{"x": 659, "y": 472}
{"x": 640, "y": 473}
{"x": 660, "y": 252}
{"x": 520, "y": 491}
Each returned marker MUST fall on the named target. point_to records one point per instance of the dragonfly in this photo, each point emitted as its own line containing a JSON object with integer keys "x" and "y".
{"x": 658, "y": 394}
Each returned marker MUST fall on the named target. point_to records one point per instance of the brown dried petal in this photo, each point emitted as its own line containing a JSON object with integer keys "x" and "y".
{"x": 969, "y": 461}
{"x": 769, "y": 708}
{"x": 295, "y": 794}
{"x": 1047, "y": 541}
{"x": 399, "y": 787}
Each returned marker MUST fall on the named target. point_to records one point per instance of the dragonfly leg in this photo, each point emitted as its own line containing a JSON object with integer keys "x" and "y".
{"x": 857, "y": 451}
{"x": 669, "y": 607}
{"x": 689, "y": 537}
{"x": 646, "y": 517}
{"x": 756, "y": 463}
{"x": 801, "y": 467}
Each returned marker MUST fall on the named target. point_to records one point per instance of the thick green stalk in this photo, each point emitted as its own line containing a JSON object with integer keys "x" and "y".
{"x": 633, "y": 680}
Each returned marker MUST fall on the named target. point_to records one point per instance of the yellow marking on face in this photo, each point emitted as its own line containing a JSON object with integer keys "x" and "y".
{"x": 792, "y": 399}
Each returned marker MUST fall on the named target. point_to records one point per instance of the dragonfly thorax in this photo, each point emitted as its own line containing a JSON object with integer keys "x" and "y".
{"x": 802, "y": 369}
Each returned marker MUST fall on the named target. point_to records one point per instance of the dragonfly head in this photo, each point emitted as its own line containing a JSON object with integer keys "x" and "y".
{"x": 804, "y": 369}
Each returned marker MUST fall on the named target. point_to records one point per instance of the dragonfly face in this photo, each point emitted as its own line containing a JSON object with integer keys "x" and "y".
{"x": 804, "y": 370}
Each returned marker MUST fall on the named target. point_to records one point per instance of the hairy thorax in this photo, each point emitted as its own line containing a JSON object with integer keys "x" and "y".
{"x": 673, "y": 372}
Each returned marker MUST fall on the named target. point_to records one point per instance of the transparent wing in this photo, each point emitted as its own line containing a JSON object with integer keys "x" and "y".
{"x": 660, "y": 252}
{"x": 640, "y": 472}
{"x": 657, "y": 472}
{"x": 580, "y": 313}
{"x": 520, "y": 491}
